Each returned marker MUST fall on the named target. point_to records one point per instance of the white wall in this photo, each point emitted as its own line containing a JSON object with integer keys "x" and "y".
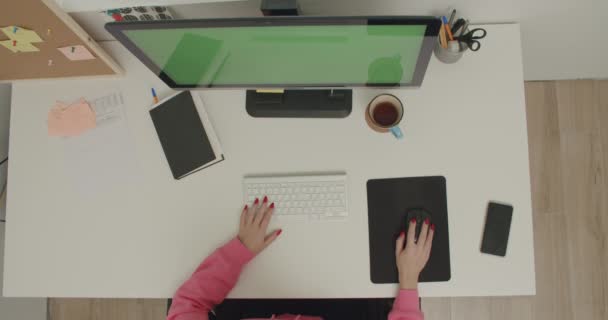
{"x": 19, "y": 308}
{"x": 562, "y": 39}
{"x": 12, "y": 308}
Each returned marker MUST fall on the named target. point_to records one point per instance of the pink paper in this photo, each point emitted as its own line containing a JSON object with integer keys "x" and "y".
{"x": 70, "y": 120}
{"x": 76, "y": 53}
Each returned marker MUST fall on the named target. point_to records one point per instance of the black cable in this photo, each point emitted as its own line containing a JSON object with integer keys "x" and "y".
{"x": 2, "y": 191}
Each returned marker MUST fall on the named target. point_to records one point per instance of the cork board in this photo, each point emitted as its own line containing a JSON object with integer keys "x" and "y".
{"x": 57, "y": 29}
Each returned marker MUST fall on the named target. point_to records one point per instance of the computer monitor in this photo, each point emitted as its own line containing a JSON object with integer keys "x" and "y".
{"x": 283, "y": 52}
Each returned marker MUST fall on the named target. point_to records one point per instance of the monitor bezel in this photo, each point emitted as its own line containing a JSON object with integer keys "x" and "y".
{"x": 432, "y": 24}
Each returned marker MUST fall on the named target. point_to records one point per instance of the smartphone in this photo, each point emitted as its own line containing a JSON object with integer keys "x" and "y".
{"x": 496, "y": 231}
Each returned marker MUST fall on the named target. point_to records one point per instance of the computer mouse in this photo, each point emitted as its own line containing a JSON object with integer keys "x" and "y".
{"x": 420, "y": 215}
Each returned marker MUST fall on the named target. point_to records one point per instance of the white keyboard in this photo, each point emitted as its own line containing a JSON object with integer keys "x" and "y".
{"x": 319, "y": 196}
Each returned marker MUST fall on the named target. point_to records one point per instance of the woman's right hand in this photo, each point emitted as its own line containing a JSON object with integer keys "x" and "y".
{"x": 254, "y": 225}
{"x": 412, "y": 257}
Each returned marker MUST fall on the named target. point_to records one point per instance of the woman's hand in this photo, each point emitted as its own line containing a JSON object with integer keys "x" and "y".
{"x": 254, "y": 225}
{"x": 412, "y": 258}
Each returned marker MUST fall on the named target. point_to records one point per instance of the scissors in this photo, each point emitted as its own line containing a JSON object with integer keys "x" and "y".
{"x": 471, "y": 37}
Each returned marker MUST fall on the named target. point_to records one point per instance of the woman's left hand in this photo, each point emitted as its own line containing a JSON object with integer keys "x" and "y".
{"x": 254, "y": 226}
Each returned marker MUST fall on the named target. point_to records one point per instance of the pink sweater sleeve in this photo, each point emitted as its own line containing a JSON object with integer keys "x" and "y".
{"x": 406, "y": 306}
{"x": 210, "y": 283}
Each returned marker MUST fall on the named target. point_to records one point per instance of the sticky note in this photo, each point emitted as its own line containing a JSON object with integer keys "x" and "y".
{"x": 76, "y": 53}
{"x": 19, "y": 46}
{"x": 70, "y": 120}
{"x": 21, "y": 34}
{"x": 20, "y": 39}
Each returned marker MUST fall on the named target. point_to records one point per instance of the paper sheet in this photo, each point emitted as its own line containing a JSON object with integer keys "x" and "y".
{"x": 70, "y": 120}
{"x": 76, "y": 53}
{"x": 19, "y": 46}
{"x": 107, "y": 107}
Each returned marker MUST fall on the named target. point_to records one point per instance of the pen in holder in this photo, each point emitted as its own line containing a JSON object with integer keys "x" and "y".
{"x": 455, "y": 38}
{"x": 454, "y": 51}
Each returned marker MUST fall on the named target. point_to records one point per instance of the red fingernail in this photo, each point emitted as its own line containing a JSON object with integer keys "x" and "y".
{"x": 433, "y": 227}
{"x": 256, "y": 201}
{"x": 279, "y": 231}
{"x": 272, "y": 205}
{"x": 427, "y": 220}
{"x": 265, "y": 199}
{"x": 401, "y": 234}
{"x": 413, "y": 220}
{"x": 246, "y": 207}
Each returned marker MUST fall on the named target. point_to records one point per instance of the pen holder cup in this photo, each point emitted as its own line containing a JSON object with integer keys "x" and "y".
{"x": 452, "y": 53}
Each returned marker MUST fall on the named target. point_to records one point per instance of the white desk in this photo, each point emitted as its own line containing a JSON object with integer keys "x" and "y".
{"x": 146, "y": 234}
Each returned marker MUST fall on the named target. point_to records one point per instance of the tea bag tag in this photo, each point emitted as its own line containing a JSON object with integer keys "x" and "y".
{"x": 396, "y": 131}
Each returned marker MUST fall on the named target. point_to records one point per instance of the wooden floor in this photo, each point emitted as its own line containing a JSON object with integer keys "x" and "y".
{"x": 568, "y": 142}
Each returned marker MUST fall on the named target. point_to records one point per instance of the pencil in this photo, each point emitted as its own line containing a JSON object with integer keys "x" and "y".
{"x": 447, "y": 28}
{"x": 442, "y": 40}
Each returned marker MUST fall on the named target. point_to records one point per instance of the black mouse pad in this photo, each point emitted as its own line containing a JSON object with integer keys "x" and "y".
{"x": 390, "y": 205}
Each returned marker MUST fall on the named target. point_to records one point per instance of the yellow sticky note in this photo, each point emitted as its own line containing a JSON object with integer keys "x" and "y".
{"x": 9, "y": 45}
{"x": 270, "y": 90}
{"x": 19, "y": 46}
{"x": 21, "y": 34}
{"x": 76, "y": 53}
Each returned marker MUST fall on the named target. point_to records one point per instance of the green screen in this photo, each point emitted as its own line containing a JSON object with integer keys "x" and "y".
{"x": 284, "y": 55}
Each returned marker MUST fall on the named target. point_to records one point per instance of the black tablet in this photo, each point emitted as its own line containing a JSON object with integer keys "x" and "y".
{"x": 186, "y": 137}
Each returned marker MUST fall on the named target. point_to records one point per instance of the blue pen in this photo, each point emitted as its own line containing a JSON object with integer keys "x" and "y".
{"x": 154, "y": 96}
{"x": 447, "y": 27}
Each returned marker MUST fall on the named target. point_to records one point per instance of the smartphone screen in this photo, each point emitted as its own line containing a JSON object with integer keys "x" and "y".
{"x": 496, "y": 231}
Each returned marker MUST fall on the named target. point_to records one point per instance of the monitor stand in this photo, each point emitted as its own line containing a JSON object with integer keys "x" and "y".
{"x": 296, "y": 103}
{"x": 326, "y": 103}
